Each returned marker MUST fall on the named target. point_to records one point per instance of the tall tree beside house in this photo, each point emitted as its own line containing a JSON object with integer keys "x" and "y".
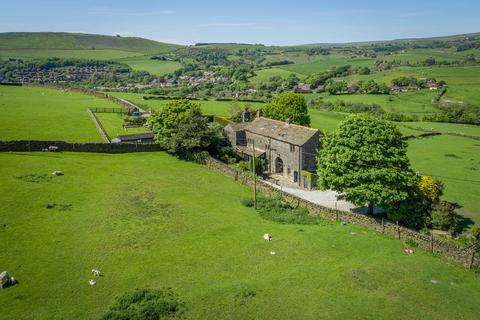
{"x": 181, "y": 128}
{"x": 365, "y": 160}
{"x": 288, "y": 106}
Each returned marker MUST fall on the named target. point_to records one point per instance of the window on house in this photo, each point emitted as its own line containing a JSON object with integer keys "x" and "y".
{"x": 288, "y": 170}
{"x": 292, "y": 148}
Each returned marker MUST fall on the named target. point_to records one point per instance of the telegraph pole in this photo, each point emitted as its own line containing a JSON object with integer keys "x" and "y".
{"x": 254, "y": 176}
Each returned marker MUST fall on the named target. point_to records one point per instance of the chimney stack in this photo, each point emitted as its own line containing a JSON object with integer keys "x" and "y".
{"x": 259, "y": 113}
{"x": 246, "y": 116}
{"x": 289, "y": 120}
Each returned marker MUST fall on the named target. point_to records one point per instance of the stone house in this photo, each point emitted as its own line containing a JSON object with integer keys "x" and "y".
{"x": 287, "y": 149}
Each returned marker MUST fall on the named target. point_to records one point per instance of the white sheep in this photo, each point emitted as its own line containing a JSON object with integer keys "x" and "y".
{"x": 96, "y": 272}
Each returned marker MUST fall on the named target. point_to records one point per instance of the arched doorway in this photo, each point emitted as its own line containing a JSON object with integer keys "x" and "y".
{"x": 278, "y": 165}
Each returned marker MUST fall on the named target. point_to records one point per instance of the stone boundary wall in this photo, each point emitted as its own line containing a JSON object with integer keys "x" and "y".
{"x": 451, "y": 251}
{"x": 36, "y": 145}
{"x": 101, "y": 95}
{"x": 448, "y": 133}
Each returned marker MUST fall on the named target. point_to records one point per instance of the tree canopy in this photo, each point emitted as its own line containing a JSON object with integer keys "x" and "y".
{"x": 365, "y": 160}
{"x": 181, "y": 127}
{"x": 288, "y": 105}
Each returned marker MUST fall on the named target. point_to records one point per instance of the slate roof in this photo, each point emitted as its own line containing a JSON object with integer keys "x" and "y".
{"x": 279, "y": 130}
{"x": 135, "y": 137}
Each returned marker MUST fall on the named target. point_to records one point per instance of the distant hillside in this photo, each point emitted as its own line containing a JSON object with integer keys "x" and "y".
{"x": 406, "y": 40}
{"x": 80, "y": 41}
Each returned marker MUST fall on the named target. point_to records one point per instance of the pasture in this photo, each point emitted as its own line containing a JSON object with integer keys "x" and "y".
{"x": 98, "y": 54}
{"x": 455, "y": 161}
{"x": 419, "y": 102}
{"x": 264, "y": 75}
{"x": 463, "y": 82}
{"x": 209, "y": 107}
{"x": 35, "y": 113}
{"x": 140, "y": 220}
{"x": 113, "y": 125}
{"x": 155, "y": 67}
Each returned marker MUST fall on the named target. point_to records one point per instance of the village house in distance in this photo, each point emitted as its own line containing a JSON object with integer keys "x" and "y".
{"x": 288, "y": 150}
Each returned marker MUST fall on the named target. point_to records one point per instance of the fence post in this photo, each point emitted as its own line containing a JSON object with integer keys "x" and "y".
{"x": 398, "y": 229}
{"x": 431, "y": 241}
{"x": 383, "y": 225}
{"x": 472, "y": 259}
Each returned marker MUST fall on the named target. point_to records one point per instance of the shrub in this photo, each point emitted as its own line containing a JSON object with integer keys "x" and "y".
{"x": 146, "y": 304}
{"x": 432, "y": 188}
{"x": 410, "y": 243}
{"x": 278, "y": 210}
{"x": 445, "y": 218}
{"x": 475, "y": 231}
{"x": 247, "y": 202}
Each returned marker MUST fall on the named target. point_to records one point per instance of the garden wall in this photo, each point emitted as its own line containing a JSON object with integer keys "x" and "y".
{"x": 36, "y": 145}
{"x": 451, "y": 251}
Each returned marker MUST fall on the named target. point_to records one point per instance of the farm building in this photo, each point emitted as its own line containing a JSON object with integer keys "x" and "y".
{"x": 288, "y": 150}
{"x": 135, "y": 138}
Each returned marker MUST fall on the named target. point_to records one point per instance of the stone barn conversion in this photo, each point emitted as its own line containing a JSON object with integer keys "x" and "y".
{"x": 288, "y": 150}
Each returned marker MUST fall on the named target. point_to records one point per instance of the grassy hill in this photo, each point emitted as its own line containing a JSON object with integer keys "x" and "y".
{"x": 141, "y": 221}
{"x": 405, "y": 40}
{"x": 80, "y": 41}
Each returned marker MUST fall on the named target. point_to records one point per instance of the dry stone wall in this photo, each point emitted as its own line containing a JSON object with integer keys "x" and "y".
{"x": 451, "y": 251}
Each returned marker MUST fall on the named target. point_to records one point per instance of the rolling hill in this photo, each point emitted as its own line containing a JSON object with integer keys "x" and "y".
{"x": 80, "y": 41}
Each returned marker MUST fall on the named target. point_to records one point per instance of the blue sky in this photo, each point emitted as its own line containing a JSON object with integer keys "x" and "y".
{"x": 269, "y": 22}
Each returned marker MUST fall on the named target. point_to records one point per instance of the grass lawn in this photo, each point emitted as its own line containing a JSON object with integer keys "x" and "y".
{"x": 455, "y": 161}
{"x": 113, "y": 124}
{"x": 141, "y": 221}
{"x": 47, "y": 114}
{"x": 155, "y": 67}
{"x": 210, "y": 107}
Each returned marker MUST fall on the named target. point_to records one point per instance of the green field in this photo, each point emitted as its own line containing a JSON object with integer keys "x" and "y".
{"x": 264, "y": 75}
{"x": 209, "y": 107}
{"x": 141, "y": 221}
{"x": 113, "y": 125}
{"x": 100, "y": 54}
{"x": 455, "y": 161}
{"x": 47, "y": 114}
{"x": 408, "y": 102}
{"x": 463, "y": 82}
{"x": 457, "y": 128}
{"x": 155, "y": 67}
{"x": 81, "y": 41}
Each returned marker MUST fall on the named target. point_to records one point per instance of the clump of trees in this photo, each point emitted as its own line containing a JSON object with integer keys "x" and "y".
{"x": 183, "y": 130}
{"x": 365, "y": 161}
{"x": 288, "y": 106}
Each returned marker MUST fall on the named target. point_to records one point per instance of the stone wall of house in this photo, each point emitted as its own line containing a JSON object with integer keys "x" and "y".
{"x": 451, "y": 251}
{"x": 309, "y": 152}
{"x": 277, "y": 149}
{"x": 36, "y": 145}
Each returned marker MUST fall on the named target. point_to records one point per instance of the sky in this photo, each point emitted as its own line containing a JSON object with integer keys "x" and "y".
{"x": 245, "y": 21}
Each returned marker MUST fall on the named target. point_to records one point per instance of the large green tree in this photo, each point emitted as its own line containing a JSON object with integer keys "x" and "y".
{"x": 181, "y": 127}
{"x": 365, "y": 160}
{"x": 288, "y": 105}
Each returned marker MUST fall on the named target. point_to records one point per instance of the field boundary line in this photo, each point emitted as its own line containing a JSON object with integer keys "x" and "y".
{"x": 99, "y": 126}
